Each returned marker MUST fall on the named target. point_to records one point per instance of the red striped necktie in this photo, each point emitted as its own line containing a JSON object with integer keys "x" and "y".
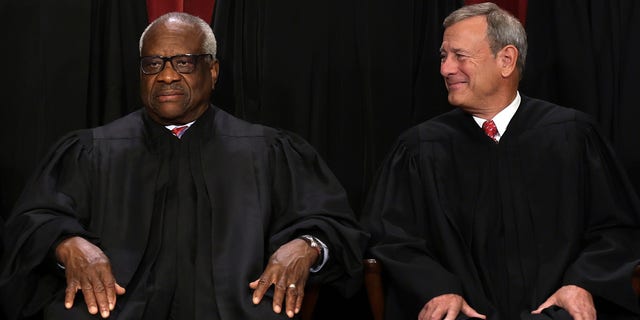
{"x": 490, "y": 130}
{"x": 179, "y": 131}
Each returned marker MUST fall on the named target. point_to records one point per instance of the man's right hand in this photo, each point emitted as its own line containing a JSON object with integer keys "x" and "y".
{"x": 87, "y": 268}
{"x": 447, "y": 307}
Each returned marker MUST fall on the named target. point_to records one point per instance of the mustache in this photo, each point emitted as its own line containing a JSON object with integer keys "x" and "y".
{"x": 169, "y": 87}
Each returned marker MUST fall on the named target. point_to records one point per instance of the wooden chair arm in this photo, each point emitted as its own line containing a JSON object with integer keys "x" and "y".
{"x": 374, "y": 287}
{"x": 635, "y": 280}
{"x": 311, "y": 293}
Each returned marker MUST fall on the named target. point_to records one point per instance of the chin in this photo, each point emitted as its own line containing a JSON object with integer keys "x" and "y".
{"x": 166, "y": 115}
{"x": 454, "y": 100}
{"x": 170, "y": 110}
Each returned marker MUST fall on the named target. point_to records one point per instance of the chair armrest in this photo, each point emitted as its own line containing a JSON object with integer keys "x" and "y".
{"x": 311, "y": 293}
{"x": 635, "y": 280}
{"x": 374, "y": 286}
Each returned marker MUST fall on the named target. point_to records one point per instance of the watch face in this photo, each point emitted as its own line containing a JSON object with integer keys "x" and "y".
{"x": 311, "y": 241}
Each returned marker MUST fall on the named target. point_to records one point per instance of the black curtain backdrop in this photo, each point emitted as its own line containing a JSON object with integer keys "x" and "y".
{"x": 349, "y": 76}
{"x": 583, "y": 54}
{"x": 68, "y": 64}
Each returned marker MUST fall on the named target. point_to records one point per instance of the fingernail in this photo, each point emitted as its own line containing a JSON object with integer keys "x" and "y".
{"x": 93, "y": 310}
{"x": 105, "y": 314}
{"x": 110, "y": 306}
{"x": 255, "y": 300}
{"x": 277, "y": 309}
{"x": 290, "y": 314}
{"x": 67, "y": 305}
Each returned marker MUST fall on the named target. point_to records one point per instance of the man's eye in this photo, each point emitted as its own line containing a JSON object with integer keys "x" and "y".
{"x": 183, "y": 62}
{"x": 153, "y": 63}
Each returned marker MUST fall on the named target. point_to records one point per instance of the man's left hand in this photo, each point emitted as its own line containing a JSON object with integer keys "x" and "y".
{"x": 288, "y": 270}
{"x": 577, "y": 301}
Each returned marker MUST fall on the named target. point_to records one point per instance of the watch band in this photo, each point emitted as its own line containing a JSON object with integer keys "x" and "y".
{"x": 313, "y": 243}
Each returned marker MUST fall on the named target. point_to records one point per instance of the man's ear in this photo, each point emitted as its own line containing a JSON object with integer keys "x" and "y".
{"x": 507, "y": 58}
{"x": 215, "y": 71}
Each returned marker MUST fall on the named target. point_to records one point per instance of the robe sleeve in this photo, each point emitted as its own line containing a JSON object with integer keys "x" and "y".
{"x": 395, "y": 214}
{"x": 308, "y": 199}
{"x": 612, "y": 227}
{"x": 46, "y": 212}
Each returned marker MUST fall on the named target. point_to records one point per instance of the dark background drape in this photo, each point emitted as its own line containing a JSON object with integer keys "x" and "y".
{"x": 583, "y": 55}
{"x": 349, "y": 76}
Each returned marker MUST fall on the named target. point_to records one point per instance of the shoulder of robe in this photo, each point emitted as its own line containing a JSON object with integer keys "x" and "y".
{"x": 227, "y": 125}
{"x": 127, "y": 127}
{"x": 543, "y": 113}
{"x": 439, "y": 128}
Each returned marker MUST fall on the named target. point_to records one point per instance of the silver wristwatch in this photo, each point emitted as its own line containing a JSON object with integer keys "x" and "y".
{"x": 313, "y": 243}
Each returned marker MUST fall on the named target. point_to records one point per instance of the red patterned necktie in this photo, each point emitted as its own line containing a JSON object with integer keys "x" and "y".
{"x": 179, "y": 131}
{"x": 490, "y": 129}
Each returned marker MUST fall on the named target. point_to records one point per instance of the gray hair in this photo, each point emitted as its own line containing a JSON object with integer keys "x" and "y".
{"x": 502, "y": 28}
{"x": 209, "y": 43}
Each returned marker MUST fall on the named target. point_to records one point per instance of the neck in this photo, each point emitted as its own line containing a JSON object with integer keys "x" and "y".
{"x": 492, "y": 107}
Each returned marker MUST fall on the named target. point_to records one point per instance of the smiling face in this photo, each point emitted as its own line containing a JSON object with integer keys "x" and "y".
{"x": 171, "y": 97}
{"x": 471, "y": 71}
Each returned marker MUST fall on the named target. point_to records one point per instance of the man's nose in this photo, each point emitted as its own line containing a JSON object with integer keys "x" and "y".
{"x": 448, "y": 66}
{"x": 168, "y": 74}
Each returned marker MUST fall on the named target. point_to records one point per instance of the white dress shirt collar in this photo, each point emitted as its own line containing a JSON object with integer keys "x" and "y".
{"x": 170, "y": 127}
{"x": 503, "y": 117}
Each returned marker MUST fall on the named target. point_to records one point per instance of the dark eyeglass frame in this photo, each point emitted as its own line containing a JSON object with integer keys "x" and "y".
{"x": 173, "y": 65}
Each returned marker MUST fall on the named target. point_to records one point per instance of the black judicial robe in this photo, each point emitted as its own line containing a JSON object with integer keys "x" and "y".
{"x": 505, "y": 225}
{"x": 198, "y": 217}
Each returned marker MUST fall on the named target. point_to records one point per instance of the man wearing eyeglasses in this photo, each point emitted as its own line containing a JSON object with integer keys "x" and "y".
{"x": 178, "y": 210}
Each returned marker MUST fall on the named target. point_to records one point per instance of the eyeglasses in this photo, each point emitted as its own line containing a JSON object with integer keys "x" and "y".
{"x": 183, "y": 63}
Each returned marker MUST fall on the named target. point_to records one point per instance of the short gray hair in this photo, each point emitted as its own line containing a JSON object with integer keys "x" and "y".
{"x": 209, "y": 43}
{"x": 502, "y": 28}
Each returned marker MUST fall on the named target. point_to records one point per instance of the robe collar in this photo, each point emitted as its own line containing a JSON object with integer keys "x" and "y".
{"x": 157, "y": 134}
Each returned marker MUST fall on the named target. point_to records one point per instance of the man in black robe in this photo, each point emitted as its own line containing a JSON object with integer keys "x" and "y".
{"x": 534, "y": 219}
{"x": 196, "y": 224}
